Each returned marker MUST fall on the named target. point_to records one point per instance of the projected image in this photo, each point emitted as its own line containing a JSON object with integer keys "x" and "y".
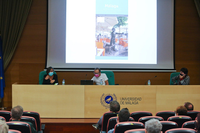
{"x": 111, "y": 36}
{"x": 111, "y": 29}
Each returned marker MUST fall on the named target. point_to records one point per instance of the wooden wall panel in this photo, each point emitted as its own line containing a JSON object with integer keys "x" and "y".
{"x": 30, "y": 54}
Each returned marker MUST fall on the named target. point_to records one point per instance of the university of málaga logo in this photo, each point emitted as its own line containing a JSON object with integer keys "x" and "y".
{"x": 106, "y": 99}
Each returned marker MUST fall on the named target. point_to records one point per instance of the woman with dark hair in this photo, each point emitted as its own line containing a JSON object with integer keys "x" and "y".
{"x": 50, "y": 78}
{"x": 197, "y": 124}
{"x": 182, "y": 78}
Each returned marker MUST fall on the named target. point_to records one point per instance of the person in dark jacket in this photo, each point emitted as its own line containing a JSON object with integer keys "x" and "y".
{"x": 50, "y": 78}
{"x": 16, "y": 113}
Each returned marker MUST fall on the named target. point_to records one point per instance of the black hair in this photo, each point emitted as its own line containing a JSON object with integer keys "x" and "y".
{"x": 114, "y": 106}
{"x": 124, "y": 115}
{"x": 97, "y": 68}
{"x": 187, "y": 106}
{"x": 185, "y": 70}
{"x": 49, "y": 69}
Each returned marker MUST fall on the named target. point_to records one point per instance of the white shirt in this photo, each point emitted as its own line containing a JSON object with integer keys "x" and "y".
{"x": 102, "y": 78}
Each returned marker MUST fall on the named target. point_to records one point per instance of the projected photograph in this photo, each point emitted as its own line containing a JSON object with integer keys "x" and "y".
{"x": 111, "y": 29}
{"x": 111, "y": 36}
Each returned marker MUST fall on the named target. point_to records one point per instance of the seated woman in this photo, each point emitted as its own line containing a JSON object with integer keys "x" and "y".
{"x": 50, "y": 78}
{"x": 182, "y": 78}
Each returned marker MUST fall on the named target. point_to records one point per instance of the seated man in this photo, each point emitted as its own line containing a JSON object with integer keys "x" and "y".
{"x": 189, "y": 106}
{"x": 181, "y": 110}
{"x": 3, "y": 127}
{"x": 114, "y": 107}
{"x": 16, "y": 114}
{"x": 153, "y": 126}
{"x": 123, "y": 116}
{"x": 100, "y": 78}
{"x": 182, "y": 78}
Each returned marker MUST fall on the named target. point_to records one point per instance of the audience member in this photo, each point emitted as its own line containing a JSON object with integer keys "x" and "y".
{"x": 181, "y": 110}
{"x": 153, "y": 126}
{"x": 182, "y": 78}
{"x": 123, "y": 116}
{"x": 197, "y": 123}
{"x": 50, "y": 78}
{"x": 189, "y": 106}
{"x": 100, "y": 78}
{"x": 3, "y": 127}
{"x": 16, "y": 114}
{"x": 114, "y": 107}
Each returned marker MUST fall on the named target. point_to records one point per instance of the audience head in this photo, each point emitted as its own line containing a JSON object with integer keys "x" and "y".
{"x": 50, "y": 71}
{"x": 114, "y": 106}
{"x": 16, "y": 112}
{"x": 97, "y": 72}
{"x": 184, "y": 71}
{"x": 3, "y": 127}
{"x": 123, "y": 115}
{"x": 197, "y": 124}
{"x": 189, "y": 106}
{"x": 153, "y": 126}
{"x": 181, "y": 110}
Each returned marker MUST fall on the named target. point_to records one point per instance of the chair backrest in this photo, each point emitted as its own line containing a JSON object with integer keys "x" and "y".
{"x": 165, "y": 114}
{"x": 189, "y": 124}
{"x": 13, "y": 131}
{"x": 166, "y": 125}
{"x": 181, "y": 130}
{"x": 113, "y": 121}
{"x": 121, "y": 127}
{"x": 146, "y": 118}
{"x": 21, "y": 126}
{"x": 2, "y": 118}
{"x": 106, "y": 117}
{"x": 135, "y": 131}
{"x": 179, "y": 119}
{"x": 192, "y": 114}
{"x": 41, "y": 76}
{"x": 136, "y": 115}
{"x": 5, "y": 114}
{"x": 173, "y": 75}
{"x": 36, "y": 115}
{"x": 111, "y": 77}
{"x": 30, "y": 119}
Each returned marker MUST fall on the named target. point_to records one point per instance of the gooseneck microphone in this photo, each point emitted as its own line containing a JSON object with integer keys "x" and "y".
{"x": 150, "y": 79}
{"x": 85, "y": 76}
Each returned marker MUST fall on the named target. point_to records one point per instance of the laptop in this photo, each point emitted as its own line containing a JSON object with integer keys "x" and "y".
{"x": 86, "y": 82}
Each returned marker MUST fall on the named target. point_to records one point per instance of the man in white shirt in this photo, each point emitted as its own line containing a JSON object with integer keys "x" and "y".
{"x": 100, "y": 78}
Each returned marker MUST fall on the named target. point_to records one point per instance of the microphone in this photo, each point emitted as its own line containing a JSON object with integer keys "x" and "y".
{"x": 150, "y": 79}
{"x": 85, "y": 76}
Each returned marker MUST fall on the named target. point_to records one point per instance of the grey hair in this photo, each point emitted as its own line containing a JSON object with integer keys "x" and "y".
{"x": 3, "y": 127}
{"x": 153, "y": 126}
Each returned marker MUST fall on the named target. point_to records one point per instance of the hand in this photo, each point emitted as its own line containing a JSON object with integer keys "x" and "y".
{"x": 52, "y": 81}
{"x": 181, "y": 76}
{"x": 47, "y": 77}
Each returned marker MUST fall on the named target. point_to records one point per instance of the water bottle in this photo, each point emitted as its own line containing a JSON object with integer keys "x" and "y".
{"x": 63, "y": 82}
{"x": 149, "y": 82}
{"x": 101, "y": 82}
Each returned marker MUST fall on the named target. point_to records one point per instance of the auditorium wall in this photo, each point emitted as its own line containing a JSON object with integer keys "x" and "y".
{"x": 29, "y": 58}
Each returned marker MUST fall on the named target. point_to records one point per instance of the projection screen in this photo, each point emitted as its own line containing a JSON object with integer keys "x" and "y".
{"x": 119, "y": 35}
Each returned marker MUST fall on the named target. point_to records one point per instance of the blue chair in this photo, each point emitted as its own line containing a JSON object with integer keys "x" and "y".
{"x": 111, "y": 77}
{"x": 41, "y": 76}
{"x": 173, "y": 75}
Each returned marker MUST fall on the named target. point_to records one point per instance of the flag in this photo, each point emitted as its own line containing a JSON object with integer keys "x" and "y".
{"x": 2, "y": 80}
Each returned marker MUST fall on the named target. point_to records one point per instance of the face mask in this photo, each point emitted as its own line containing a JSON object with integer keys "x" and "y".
{"x": 50, "y": 73}
{"x": 96, "y": 75}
